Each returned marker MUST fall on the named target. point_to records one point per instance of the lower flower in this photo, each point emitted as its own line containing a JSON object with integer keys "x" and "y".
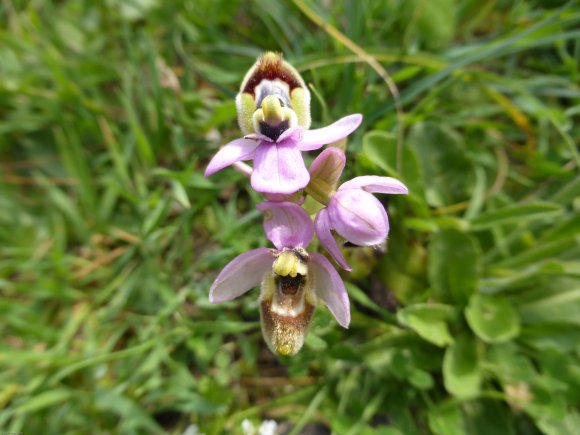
{"x": 292, "y": 280}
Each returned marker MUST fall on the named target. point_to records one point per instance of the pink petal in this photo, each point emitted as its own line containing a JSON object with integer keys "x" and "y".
{"x": 286, "y": 224}
{"x": 314, "y": 139}
{"x": 328, "y": 165}
{"x": 279, "y": 168}
{"x": 322, "y": 227}
{"x": 358, "y": 217}
{"x": 235, "y": 151}
{"x": 329, "y": 287}
{"x": 293, "y": 134}
{"x": 241, "y": 274}
{"x": 375, "y": 184}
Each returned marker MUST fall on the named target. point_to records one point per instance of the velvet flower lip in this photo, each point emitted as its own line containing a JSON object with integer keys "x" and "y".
{"x": 292, "y": 280}
{"x": 352, "y": 211}
{"x": 278, "y": 164}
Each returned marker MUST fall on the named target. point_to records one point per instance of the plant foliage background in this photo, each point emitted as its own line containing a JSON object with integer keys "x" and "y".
{"x": 110, "y": 236}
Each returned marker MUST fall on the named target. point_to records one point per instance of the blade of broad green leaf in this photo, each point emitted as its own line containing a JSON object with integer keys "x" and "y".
{"x": 433, "y": 23}
{"x": 421, "y": 379}
{"x": 448, "y": 174}
{"x": 446, "y": 419}
{"x": 461, "y": 370}
{"x": 509, "y": 364}
{"x": 486, "y": 416}
{"x": 568, "y": 425}
{"x": 453, "y": 266}
{"x": 429, "y": 321}
{"x": 518, "y": 213}
{"x": 492, "y": 318}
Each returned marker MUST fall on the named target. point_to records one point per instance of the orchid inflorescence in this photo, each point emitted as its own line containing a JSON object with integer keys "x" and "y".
{"x": 274, "y": 114}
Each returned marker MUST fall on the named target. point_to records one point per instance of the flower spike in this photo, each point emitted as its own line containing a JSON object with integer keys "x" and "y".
{"x": 273, "y": 107}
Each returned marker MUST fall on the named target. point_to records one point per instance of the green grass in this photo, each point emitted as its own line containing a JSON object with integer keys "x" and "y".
{"x": 110, "y": 236}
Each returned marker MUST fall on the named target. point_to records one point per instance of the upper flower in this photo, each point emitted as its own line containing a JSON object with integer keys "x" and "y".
{"x": 292, "y": 279}
{"x": 352, "y": 211}
{"x": 278, "y": 164}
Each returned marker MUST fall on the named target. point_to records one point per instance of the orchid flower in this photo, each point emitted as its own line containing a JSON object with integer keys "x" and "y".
{"x": 352, "y": 211}
{"x": 292, "y": 280}
{"x": 278, "y": 164}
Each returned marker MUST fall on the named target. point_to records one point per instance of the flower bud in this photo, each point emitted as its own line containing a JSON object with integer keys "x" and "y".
{"x": 359, "y": 217}
{"x": 324, "y": 174}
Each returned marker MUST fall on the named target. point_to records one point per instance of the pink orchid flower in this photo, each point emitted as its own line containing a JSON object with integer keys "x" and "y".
{"x": 290, "y": 229}
{"x": 352, "y": 211}
{"x": 278, "y": 164}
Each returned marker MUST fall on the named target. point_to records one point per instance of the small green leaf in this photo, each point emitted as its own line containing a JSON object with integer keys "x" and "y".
{"x": 445, "y": 419}
{"x": 492, "y": 318}
{"x": 515, "y": 214}
{"x": 316, "y": 343}
{"x": 180, "y": 194}
{"x": 421, "y": 379}
{"x": 461, "y": 372}
{"x": 428, "y": 320}
{"x": 453, "y": 259}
